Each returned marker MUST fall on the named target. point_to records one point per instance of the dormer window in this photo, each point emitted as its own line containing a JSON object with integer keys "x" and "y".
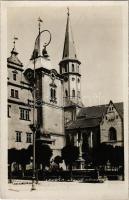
{"x": 15, "y": 75}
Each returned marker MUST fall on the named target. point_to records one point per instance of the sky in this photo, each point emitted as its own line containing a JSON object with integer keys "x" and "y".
{"x": 98, "y": 37}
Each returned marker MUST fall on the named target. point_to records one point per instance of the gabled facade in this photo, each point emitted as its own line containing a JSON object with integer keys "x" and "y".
{"x": 97, "y": 124}
{"x": 111, "y": 126}
{"x": 19, "y": 111}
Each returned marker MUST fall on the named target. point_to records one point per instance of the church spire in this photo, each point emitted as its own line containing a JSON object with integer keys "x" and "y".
{"x": 69, "y": 51}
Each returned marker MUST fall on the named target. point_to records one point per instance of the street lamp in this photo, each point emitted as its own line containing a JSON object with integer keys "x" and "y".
{"x": 36, "y": 54}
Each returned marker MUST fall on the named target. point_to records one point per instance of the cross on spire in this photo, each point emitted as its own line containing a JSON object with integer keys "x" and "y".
{"x": 40, "y": 21}
{"x": 68, "y": 11}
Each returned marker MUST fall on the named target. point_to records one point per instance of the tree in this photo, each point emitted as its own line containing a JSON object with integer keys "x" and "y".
{"x": 70, "y": 153}
{"x": 43, "y": 154}
{"x": 23, "y": 159}
{"x": 11, "y": 159}
{"x": 102, "y": 154}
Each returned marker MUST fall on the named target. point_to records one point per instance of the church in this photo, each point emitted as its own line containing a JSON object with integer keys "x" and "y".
{"x": 51, "y": 100}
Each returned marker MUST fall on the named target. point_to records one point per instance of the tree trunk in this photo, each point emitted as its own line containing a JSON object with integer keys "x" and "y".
{"x": 10, "y": 173}
{"x": 23, "y": 170}
{"x": 71, "y": 174}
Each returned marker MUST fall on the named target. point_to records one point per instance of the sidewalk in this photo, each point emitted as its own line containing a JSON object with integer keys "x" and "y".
{"x": 115, "y": 190}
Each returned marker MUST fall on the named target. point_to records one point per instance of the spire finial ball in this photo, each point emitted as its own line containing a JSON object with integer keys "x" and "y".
{"x": 68, "y": 11}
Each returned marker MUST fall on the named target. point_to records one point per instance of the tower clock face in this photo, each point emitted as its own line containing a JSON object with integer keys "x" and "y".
{"x": 29, "y": 74}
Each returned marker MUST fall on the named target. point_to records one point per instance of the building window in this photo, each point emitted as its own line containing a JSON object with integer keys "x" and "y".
{"x": 72, "y": 67}
{"x": 73, "y": 79}
{"x": 14, "y": 76}
{"x": 28, "y": 137}
{"x": 9, "y": 107}
{"x": 66, "y": 93}
{"x": 112, "y": 134}
{"x": 24, "y": 114}
{"x": 73, "y": 93}
{"x": 14, "y": 93}
{"x": 78, "y": 80}
{"x": 18, "y": 136}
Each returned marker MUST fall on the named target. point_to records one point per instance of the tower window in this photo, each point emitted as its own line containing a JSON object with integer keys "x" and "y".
{"x": 18, "y": 136}
{"x": 72, "y": 67}
{"x": 65, "y": 68}
{"x": 78, "y": 80}
{"x": 73, "y": 93}
{"x": 66, "y": 93}
{"x": 78, "y": 68}
{"x": 78, "y": 93}
{"x": 53, "y": 95}
{"x": 73, "y": 79}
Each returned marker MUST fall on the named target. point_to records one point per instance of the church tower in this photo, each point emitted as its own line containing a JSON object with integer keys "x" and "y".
{"x": 70, "y": 69}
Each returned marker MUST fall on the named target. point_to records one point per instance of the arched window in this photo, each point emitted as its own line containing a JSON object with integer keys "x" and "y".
{"x": 73, "y": 93}
{"x": 112, "y": 134}
{"x": 66, "y": 93}
{"x": 54, "y": 93}
{"x": 72, "y": 67}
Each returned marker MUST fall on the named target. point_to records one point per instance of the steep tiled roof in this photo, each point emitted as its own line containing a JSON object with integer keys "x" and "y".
{"x": 98, "y": 111}
{"x": 92, "y": 112}
{"x": 84, "y": 123}
{"x": 91, "y": 116}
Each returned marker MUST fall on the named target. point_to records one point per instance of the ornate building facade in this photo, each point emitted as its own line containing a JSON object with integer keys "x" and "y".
{"x": 60, "y": 115}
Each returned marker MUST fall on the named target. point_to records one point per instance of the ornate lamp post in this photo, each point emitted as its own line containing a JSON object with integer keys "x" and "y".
{"x": 36, "y": 54}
